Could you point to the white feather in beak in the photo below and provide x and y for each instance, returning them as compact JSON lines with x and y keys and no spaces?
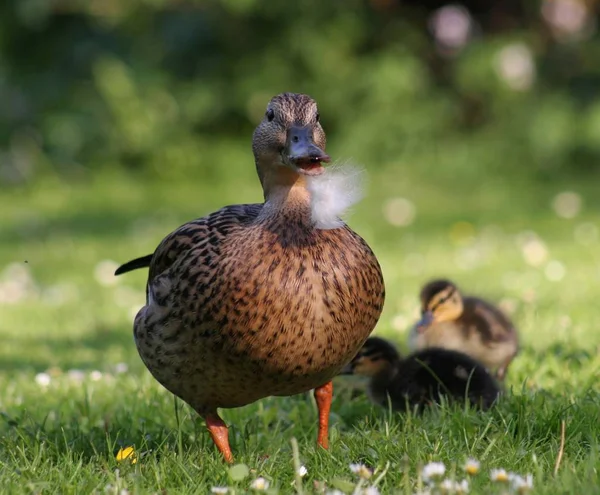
{"x":333,"y":193}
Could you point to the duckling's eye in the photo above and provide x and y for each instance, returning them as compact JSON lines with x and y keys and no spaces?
{"x":270,"y":115}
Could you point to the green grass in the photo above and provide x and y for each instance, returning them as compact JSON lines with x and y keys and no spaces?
{"x":62,"y":311}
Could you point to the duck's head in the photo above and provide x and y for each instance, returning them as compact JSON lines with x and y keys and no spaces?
{"x":440,"y":301}
{"x":289,"y":141}
{"x":375,"y":356}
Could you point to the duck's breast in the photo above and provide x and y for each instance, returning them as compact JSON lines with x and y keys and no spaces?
{"x":301,"y":309}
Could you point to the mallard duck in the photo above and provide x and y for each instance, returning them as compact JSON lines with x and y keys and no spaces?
{"x":422,"y":378}
{"x":467,"y":324}
{"x":269,"y":299}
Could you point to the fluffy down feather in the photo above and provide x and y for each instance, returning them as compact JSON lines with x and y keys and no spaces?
{"x":333,"y":193}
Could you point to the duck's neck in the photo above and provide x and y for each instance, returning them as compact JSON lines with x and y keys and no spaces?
{"x":286,"y":196}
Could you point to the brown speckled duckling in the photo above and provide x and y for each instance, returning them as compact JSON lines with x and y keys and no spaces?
{"x":466,"y":324}
{"x":260,"y":300}
{"x":422,"y":378}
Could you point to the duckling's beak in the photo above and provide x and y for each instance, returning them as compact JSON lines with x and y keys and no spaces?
{"x":301,"y":152}
{"x":425,"y":321}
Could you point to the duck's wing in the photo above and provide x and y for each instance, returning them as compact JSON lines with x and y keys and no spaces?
{"x":187,"y":235}
{"x":213,"y":227}
{"x":490,"y":322}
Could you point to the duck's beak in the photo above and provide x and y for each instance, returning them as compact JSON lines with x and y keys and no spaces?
{"x":302,"y":153}
{"x":425,"y":321}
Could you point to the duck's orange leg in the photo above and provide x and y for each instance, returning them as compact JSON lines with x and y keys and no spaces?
{"x":323,"y":396}
{"x":220,"y":435}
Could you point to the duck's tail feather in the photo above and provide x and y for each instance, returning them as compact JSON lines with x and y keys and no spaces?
{"x":142,"y":262}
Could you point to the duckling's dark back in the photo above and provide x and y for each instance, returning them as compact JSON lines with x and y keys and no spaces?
{"x":490,"y":321}
{"x":426,"y":376}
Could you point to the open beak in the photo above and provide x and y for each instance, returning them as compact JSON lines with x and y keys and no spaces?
{"x":302,"y":153}
{"x":425,"y":321}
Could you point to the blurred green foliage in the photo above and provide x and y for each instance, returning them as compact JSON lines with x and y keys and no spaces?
{"x":172,"y":87}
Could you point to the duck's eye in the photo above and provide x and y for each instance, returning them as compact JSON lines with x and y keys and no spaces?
{"x":270,"y":114}
{"x":317,"y":117}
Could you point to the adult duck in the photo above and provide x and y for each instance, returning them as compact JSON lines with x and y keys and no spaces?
{"x":269,"y":299}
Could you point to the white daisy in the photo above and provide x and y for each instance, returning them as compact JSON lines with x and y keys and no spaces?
{"x":363,"y":471}
{"x":96,"y":375}
{"x":446,"y":486}
{"x":260,"y":484}
{"x":302,"y":471}
{"x":522,"y":484}
{"x":499,"y":475}
{"x":472,"y":466}
{"x":219,"y":489}
{"x":433,"y":470}
{"x":462,"y":487}
{"x":43,"y":379}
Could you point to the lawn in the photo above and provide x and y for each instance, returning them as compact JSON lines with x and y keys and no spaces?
{"x":73,"y":391}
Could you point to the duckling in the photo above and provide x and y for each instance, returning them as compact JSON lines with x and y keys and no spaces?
{"x":422,"y":378}
{"x":269,"y":299}
{"x":467,"y":324}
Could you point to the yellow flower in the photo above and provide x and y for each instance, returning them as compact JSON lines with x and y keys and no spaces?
{"x":127,"y":453}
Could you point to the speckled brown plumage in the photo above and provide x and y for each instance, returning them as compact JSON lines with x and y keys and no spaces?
{"x":467,"y":324}
{"x":252,"y":300}
{"x":276,"y":309}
